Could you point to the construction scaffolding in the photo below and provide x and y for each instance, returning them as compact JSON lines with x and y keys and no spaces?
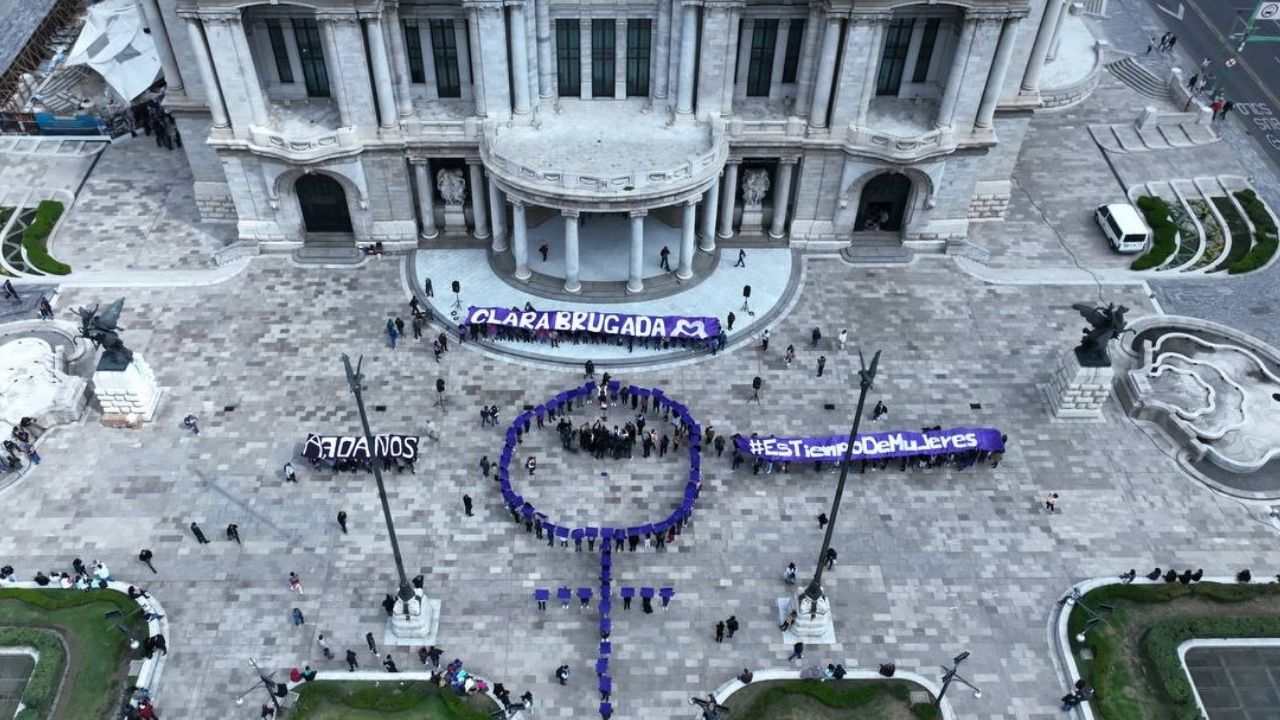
{"x":32,"y":32}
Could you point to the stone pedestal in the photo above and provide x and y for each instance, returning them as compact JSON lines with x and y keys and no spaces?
{"x":128,"y":397}
{"x":810,"y":628}
{"x":752,"y":219}
{"x":1079,"y":391}
{"x":419,"y":628}
{"x":455,"y":219}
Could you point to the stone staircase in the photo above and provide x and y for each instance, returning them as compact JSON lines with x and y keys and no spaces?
{"x":875,"y":248}
{"x":55,"y":146}
{"x":1171,"y":131}
{"x":328,"y":249}
{"x":1129,"y":72}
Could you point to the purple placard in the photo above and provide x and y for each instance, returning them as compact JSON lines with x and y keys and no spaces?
{"x":641,"y":326}
{"x":873,"y":446}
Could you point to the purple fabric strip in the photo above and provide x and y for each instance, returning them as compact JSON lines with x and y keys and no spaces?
{"x":652,"y":326}
{"x":873,"y":446}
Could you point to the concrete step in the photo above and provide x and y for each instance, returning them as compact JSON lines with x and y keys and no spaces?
{"x":876,"y":249}
{"x":1129,"y":72}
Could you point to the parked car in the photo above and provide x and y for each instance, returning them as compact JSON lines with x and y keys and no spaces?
{"x":1124,"y":227}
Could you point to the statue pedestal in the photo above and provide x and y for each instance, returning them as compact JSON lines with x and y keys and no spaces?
{"x":455,"y":219}
{"x":419,"y":628}
{"x":752,"y":218}
{"x":809,"y":628}
{"x":128,"y":397}
{"x":1077,"y":390}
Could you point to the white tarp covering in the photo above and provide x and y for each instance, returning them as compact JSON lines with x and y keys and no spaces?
{"x":115,"y":45}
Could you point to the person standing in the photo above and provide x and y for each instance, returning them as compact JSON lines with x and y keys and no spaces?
{"x":324,"y":647}
{"x":290,"y":475}
{"x":373,"y":646}
{"x":531,"y":464}
{"x":145,"y":556}
{"x":830,"y":558}
{"x":879,"y":411}
{"x":822,"y":520}
{"x":390,"y":664}
{"x":389,"y":604}
{"x":731,"y":625}
{"x":233,"y":533}
{"x":720,"y":631}
{"x":842,"y":338}
{"x":822,"y":363}
{"x":1151,"y":43}
{"x":797,"y":652}
{"x":466,"y":504}
{"x":1051,"y":502}
{"x":1173,"y":40}
{"x":399,"y":326}
{"x":562,"y":674}
{"x":590,"y":369}
{"x":814,"y":337}
{"x":342,"y":521}
{"x":392,"y":335}
{"x":1164,"y":42}
{"x":764,"y":341}
{"x":719,"y":445}
{"x":664,"y":255}
{"x":427,"y":289}
{"x":742,"y":258}
{"x":295,"y":583}
{"x":485,"y":465}
{"x":416,"y":326}
{"x":543,"y":249}
{"x":200,"y":538}
{"x":731,"y":318}
{"x":352,"y":663}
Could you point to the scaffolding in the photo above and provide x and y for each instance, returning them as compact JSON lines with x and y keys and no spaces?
{"x":31,"y":33}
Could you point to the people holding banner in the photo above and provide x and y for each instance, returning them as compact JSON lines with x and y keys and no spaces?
{"x":650,"y":331}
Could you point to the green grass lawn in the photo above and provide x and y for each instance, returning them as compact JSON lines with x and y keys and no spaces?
{"x":1135,"y":669}
{"x":342,"y":700}
{"x":831,"y":700}
{"x":99,"y":653}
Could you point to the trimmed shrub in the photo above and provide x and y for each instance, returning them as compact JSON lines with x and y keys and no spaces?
{"x":1164,"y":233}
{"x":1266,"y":242}
{"x":35,"y":239}
{"x":42,"y":689}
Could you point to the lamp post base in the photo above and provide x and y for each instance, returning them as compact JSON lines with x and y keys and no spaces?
{"x":419,"y":628}
{"x":808,"y":628}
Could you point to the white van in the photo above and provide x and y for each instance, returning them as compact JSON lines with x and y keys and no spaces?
{"x":1123,"y":226}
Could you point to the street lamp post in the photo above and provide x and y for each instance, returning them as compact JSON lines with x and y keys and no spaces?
{"x":266,"y":683}
{"x":355,"y":379}
{"x":952,"y":674}
{"x":868,"y":375}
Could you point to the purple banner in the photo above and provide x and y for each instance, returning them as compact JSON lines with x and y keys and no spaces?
{"x":641,"y":326}
{"x":873,"y":446}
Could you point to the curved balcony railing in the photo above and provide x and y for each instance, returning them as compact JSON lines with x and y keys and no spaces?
{"x":334,"y":143}
{"x":641,"y":182}
{"x":889,"y":146}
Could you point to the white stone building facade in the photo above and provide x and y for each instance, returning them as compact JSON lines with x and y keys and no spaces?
{"x":406,"y":122}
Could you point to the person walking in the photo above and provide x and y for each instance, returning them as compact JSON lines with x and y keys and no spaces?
{"x":145,"y":556}
{"x":295,"y":583}
{"x":485,"y":465}
{"x":590,"y":368}
{"x":392,"y":335}
{"x":543,"y":249}
{"x":290,"y":475}
{"x":797,"y":652}
{"x":742,"y":258}
{"x":822,"y":520}
{"x":1173,"y":40}
{"x":1051,"y":502}
{"x":764,"y":341}
{"x":731,"y":625}
{"x":830,"y":558}
{"x":1164,"y":42}
{"x":342,"y":521}
{"x":399,"y":326}
{"x":233,"y":533}
{"x":842,"y":338}
{"x":789,"y":356}
{"x":373,"y":646}
{"x":416,"y":326}
{"x":352,"y":663}
{"x":664,"y":256}
{"x":879,"y":411}
{"x":298,"y":619}
{"x":720,"y":631}
{"x":814,"y":337}
{"x":719,"y":443}
{"x":730,"y":319}
{"x":191,"y":423}
{"x":389,"y":604}
{"x":200,"y":538}
{"x":1151,"y":43}
{"x":466,"y":504}
{"x":822,"y":363}
{"x":562,"y":674}
{"x":324,"y":647}
{"x":531,"y":464}
{"x":427,"y":289}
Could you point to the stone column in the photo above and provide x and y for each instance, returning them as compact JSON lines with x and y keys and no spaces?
{"x":546,"y":63}
{"x":584,"y":59}
{"x":472,"y":29}
{"x":661,"y":50}
{"x":688,"y":51}
{"x":804,"y":71}
{"x":995,"y":79}
{"x":519,"y":58}
{"x":959,"y":63}
{"x":779,"y":58}
{"x":394,"y":29}
{"x":635,"y":279}
{"x":498,"y":208}
{"x":490,"y":57}
{"x":1040,"y":50}
{"x":781,"y":197}
{"x":426,"y":197}
{"x":248,"y":74}
{"x":160,"y":36}
{"x":728,"y":187}
{"x":710,"y":207}
{"x":213,"y":94}
{"x":1057,"y":32}
{"x":877,"y":29}
{"x":855,"y":78}
{"x":571,"y":282}
{"x":337,"y":87}
{"x":687,"y":234}
{"x":520,"y":240}
{"x":620,"y":59}
{"x":479,"y":205}
{"x":732,"y":66}
{"x":383,"y":93}
{"x":825,"y":74}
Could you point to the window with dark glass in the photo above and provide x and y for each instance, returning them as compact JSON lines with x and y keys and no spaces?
{"x":444,"y":50}
{"x":791,"y":59}
{"x":764,"y":38}
{"x":927,"y":42}
{"x":897,"y":38}
{"x":568,"y":58}
{"x":639,"y":38}
{"x":413,"y":48}
{"x":280,"y":51}
{"x":311,"y":57}
{"x":603,"y":59}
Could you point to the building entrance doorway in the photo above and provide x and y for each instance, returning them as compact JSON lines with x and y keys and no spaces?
{"x":323,"y":203}
{"x":883,"y":205}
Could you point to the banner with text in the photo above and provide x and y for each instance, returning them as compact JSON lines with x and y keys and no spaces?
{"x":351,"y":447}
{"x":873,"y":446}
{"x":642,"y":326}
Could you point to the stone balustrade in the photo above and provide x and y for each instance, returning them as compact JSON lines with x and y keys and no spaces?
{"x":898,"y":148}
{"x":740,"y":129}
{"x":335,"y":143}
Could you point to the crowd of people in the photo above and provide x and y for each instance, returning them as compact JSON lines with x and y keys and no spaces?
{"x":20,"y":444}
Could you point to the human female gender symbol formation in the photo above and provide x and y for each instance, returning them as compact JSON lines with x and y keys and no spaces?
{"x":524,"y":512}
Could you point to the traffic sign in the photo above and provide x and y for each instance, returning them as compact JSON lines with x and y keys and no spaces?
{"x":1267,"y":10}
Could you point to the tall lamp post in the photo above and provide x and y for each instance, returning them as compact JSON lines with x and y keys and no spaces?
{"x":265,"y":681}
{"x":951,"y":674}
{"x":808,"y":601}
{"x":355,"y":379}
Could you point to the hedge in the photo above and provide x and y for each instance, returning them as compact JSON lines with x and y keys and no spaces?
{"x":35,"y":239}
{"x":42,"y":689}
{"x":1164,"y":232}
{"x":386,"y":698}
{"x":840,"y":695}
{"x":1265,"y":242}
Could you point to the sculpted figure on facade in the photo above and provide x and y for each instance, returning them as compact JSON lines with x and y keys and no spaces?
{"x":755,"y":184}
{"x":453,"y":188}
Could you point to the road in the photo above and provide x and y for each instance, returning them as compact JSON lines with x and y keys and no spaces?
{"x":1204,"y":28}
